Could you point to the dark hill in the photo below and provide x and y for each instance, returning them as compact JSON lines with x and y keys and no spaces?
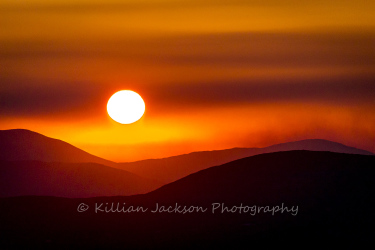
{"x":275,"y":176}
{"x":333,"y":191}
{"x":26,"y":145}
{"x":173,"y":168}
{"x":74,"y":180}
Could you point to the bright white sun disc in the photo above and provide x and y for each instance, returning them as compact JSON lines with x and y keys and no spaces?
{"x":126,"y":107}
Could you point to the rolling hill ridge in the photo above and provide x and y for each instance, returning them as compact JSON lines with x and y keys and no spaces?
{"x":33,"y":164}
{"x":173,"y":168}
{"x":26,"y":145}
{"x":333,"y":193}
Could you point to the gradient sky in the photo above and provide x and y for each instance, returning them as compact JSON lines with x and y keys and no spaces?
{"x":214,"y":74}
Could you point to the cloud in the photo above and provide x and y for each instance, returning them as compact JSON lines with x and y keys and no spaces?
{"x":85,"y":99}
{"x":35,"y":99}
{"x":253,"y":49}
{"x":344,"y":91}
{"x":183,"y":72}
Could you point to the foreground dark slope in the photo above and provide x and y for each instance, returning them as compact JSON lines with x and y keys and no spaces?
{"x":26,"y":145}
{"x":173,"y":168}
{"x":334,"y":194}
{"x":75,"y":180}
{"x":274,"y":177}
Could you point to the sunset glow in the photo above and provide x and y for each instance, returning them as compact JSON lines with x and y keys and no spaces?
{"x":214,"y":74}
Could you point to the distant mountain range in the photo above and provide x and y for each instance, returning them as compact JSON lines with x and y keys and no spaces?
{"x":26,"y":145}
{"x":271,"y":177}
{"x":33,"y":164}
{"x":331,"y":195}
{"x":173,"y":168}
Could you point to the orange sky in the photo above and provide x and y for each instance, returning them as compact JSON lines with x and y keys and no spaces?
{"x":213,"y":74}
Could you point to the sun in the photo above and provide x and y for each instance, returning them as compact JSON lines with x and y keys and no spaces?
{"x":126,"y":107}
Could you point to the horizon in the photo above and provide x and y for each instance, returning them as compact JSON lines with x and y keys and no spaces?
{"x":213,"y":74}
{"x":192,"y":152}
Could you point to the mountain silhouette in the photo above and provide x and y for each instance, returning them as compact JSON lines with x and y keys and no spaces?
{"x":268,"y":177}
{"x":71,"y":180}
{"x":26,"y":145}
{"x":173,"y":168}
{"x":333,"y":191}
